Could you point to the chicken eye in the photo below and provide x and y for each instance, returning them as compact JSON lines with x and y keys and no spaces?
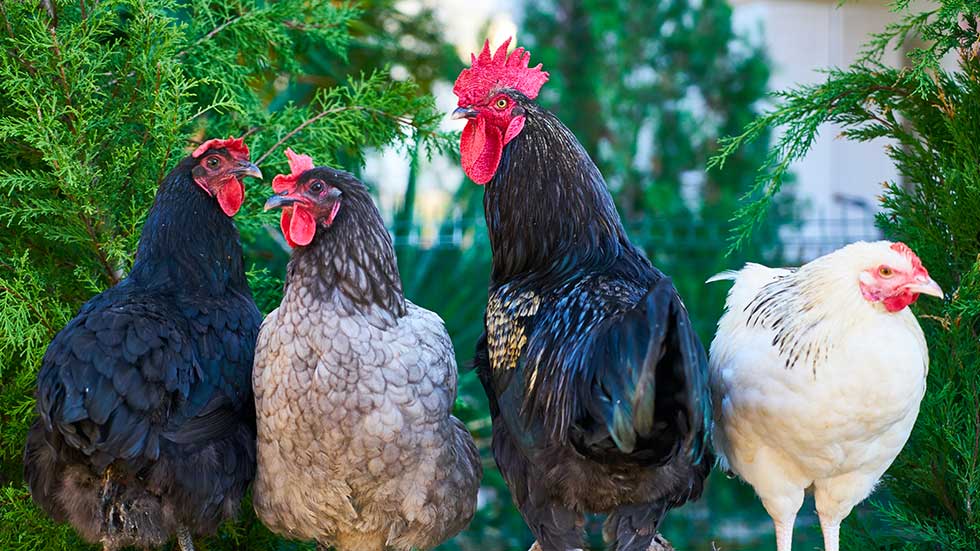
{"x":501,"y":103}
{"x":212,"y":162}
{"x":885,"y":271}
{"x":316,"y":187}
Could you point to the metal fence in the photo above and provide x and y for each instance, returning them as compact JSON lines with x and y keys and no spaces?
{"x":799,"y":241}
{"x":814,"y":237}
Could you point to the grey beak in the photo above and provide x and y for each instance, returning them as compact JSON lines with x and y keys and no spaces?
{"x":246,"y":168}
{"x":278,"y":201}
{"x":927,"y":287}
{"x":464,"y":113}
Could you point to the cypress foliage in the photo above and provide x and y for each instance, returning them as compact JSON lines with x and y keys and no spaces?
{"x":932,"y":117}
{"x":98,"y":101}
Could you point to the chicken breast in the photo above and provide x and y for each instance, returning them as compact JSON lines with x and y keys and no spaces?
{"x":816,"y":382}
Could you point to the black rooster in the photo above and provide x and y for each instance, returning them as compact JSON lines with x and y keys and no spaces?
{"x":147,"y":424}
{"x":596,"y":379}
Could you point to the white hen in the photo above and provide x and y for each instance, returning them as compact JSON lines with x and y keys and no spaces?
{"x":817,"y":374}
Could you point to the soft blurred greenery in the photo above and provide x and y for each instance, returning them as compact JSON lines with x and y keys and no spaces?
{"x":648,"y":87}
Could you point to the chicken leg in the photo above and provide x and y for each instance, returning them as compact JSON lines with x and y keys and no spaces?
{"x":784,"y":533}
{"x":835,"y":497}
{"x":782,"y":497}
{"x":555,"y":528}
{"x":633,"y":527}
{"x":184,"y":539}
{"x":783,"y":507}
{"x":831,"y":535}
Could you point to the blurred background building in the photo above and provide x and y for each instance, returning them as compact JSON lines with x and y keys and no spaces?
{"x":837,"y":186}
{"x":839,"y":182}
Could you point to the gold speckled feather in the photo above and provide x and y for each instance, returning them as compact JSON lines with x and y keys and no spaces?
{"x":505,"y":327}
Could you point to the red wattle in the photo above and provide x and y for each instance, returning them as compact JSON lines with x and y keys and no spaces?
{"x":480,"y":148}
{"x":898,"y":302}
{"x":230,"y":196}
{"x":298,"y":226}
{"x":284,"y":219}
{"x":471,"y":143}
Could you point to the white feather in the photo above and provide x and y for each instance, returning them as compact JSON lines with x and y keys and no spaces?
{"x":723,"y":276}
{"x":834,"y":418}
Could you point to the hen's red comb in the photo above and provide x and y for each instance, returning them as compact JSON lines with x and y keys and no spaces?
{"x":490,"y":72}
{"x":298,"y":164}
{"x":904,"y":249}
{"x":236,"y":146}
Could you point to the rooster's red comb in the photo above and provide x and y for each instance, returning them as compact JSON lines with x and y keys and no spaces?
{"x":904,"y":249}
{"x":298,"y":164}
{"x":236,"y":146}
{"x":489,"y":72}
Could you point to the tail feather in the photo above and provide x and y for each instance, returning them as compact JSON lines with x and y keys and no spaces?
{"x":621,"y":352}
{"x":694,"y":369}
{"x":729,"y":275}
{"x":750,"y":269}
{"x":651,"y":353}
{"x":658,"y":313}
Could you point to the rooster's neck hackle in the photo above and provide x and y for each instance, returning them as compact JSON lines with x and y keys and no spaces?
{"x":351,"y":263}
{"x":547,"y":207}
{"x":188,"y":243}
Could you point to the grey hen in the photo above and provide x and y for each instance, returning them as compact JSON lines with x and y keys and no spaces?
{"x":354,"y":385}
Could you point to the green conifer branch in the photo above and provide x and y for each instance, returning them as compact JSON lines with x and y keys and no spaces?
{"x":98,"y":101}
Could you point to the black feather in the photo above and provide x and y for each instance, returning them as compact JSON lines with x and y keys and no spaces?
{"x":596,"y":380}
{"x":145,"y":397}
{"x":101,"y":401}
{"x":86,"y":347}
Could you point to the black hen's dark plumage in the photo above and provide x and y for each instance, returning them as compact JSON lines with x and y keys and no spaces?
{"x":596,"y":379}
{"x":146,"y":419}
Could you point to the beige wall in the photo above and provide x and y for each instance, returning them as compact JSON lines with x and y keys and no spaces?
{"x":802,"y":37}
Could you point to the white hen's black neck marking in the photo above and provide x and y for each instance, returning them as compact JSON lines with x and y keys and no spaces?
{"x":782,"y":307}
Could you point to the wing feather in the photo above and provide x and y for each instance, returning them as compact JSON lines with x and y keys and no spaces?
{"x":130,"y":369}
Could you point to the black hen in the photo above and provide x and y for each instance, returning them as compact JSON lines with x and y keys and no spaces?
{"x":146,"y":422}
{"x":597,"y":381}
